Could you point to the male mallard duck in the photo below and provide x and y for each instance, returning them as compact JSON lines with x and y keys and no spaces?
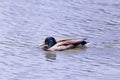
{"x":50,"y":44}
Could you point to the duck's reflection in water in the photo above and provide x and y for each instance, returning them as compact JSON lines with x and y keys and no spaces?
{"x":50,"y":56}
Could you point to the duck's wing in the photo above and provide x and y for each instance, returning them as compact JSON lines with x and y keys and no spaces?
{"x":58,"y":47}
{"x":70,"y":42}
{"x":64,"y":40}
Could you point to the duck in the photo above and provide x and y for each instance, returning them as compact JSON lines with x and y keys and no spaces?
{"x":50,"y":44}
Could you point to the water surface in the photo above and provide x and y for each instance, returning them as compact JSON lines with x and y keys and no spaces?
{"x":26,"y":23}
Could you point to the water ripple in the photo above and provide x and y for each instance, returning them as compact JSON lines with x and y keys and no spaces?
{"x":24,"y":24}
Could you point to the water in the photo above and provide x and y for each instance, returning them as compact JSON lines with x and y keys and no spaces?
{"x":26,"y":23}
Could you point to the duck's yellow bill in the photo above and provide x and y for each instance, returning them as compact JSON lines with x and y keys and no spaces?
{"x":41,"y":44}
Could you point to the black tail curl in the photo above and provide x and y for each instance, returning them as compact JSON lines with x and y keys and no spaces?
{"x":83,"y":42}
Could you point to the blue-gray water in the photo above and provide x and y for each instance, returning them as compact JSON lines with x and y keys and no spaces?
{"x":26,"y":23}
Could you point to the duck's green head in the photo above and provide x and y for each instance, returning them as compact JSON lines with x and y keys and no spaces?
{"x":50,"y":41}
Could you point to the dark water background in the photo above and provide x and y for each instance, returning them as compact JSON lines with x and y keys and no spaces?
{"x":26,"y":23}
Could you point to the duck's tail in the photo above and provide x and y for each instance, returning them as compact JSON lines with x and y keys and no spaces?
{"x":83,"y":42}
